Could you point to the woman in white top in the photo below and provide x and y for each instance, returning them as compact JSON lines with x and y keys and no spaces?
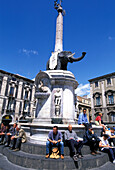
{"x":105,"y":147}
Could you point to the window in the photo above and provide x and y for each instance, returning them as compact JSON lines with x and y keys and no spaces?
{"x":10,"y":102}
{"x":26,"y":95}
{"x":14,"y":79}
{"x":25,"y":105}
{"x":98,"y":101}
{"x":83,"y":100}
{"x":96,"y":84}
{"x":108,"y":81}
{"x":113,"y":117}
{"x":11,"y":91}
{"x":110,"y":99}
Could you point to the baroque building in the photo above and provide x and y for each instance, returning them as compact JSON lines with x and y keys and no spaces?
{"x":103,"y":96}
{"x":16,"y":95}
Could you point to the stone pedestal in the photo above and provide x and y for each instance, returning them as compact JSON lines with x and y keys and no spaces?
{"x":55,"y":97}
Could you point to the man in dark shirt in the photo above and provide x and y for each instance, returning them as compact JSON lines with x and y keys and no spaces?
{"x":72,"y":142}
{"x":55,"y":139}
{"x":12,"y":132}
{"x":91,"y":139}
{"x":5,"y":134}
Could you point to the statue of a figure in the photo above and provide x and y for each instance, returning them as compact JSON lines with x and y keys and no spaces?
{"x":56,"y":4}
{"x":58,"y":7}
{"x":43,"y":88}
{"x":57,"y":100}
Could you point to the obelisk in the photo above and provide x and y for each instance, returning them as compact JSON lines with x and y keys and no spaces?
{"x":59,"y":35}
{"x":59,"y":29}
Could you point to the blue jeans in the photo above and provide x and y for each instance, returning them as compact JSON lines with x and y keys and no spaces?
{"x":49,"y":145}
{"x":111,"y":153}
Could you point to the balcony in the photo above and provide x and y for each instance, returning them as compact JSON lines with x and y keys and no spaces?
{"x":98,"y":105}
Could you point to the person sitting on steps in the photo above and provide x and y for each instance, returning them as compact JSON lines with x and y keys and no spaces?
{"x":2,"y":133}
{"x":91,"y":139}
{"x":20,"y":137}
{"x":71,"y":140}
{"x":83,"y":118}
{"x":12,"y":132}
{"x":98,"y":120}
{"x":105,"y":147}
{"x":111,"y":135}
{"x":54,"y":140}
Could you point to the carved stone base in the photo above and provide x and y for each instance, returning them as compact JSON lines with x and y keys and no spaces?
{"x":58,"y":100}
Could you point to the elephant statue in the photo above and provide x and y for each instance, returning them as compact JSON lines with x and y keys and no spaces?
{"x":63,"y":58}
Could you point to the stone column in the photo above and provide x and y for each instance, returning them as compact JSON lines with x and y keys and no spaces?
{"x":92,"y":102}
{"x":59,"y":33}
{"x":4,"y":84}
{"x":2,"y":96}
{"x":104,"y":102}
{"x":14,"y":90}
{"x":18,"y":98}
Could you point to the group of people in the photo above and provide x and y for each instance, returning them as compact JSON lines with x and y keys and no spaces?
{"x":12,"y":137}
{"x":72,"y":141}
{"x":104,"y":143}
{"x":55,"y":139}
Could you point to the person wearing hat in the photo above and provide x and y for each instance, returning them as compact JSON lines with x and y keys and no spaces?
{"x":91,"y":139}
{"x":105,"y":147}
{"x":20,"y":137}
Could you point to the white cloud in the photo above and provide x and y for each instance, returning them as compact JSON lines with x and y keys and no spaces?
{"x":111,"y":38}
{"x":83,"y":90}
{"x":28,"y":52}
{"x":33,"y":79}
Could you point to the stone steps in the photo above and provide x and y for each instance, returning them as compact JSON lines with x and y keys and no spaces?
{"x":41,"y":149}
{"x":36,"y":161}
{"x":5,"y":164}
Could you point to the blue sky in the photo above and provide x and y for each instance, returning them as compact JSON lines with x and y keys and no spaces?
{"x":27,"y":36}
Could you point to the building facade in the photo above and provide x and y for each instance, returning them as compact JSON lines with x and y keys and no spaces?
{"x":81,"y":103}
{"x":16,"y":95}
{"x":103,"y":97}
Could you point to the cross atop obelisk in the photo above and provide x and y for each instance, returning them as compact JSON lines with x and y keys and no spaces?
{"x":59,"y":26}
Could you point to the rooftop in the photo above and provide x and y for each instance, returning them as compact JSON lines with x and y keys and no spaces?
{"x":16,"y":75}
{"x":102,"y":77}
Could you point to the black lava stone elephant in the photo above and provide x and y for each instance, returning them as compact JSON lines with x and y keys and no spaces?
{"x":63,"y":58}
